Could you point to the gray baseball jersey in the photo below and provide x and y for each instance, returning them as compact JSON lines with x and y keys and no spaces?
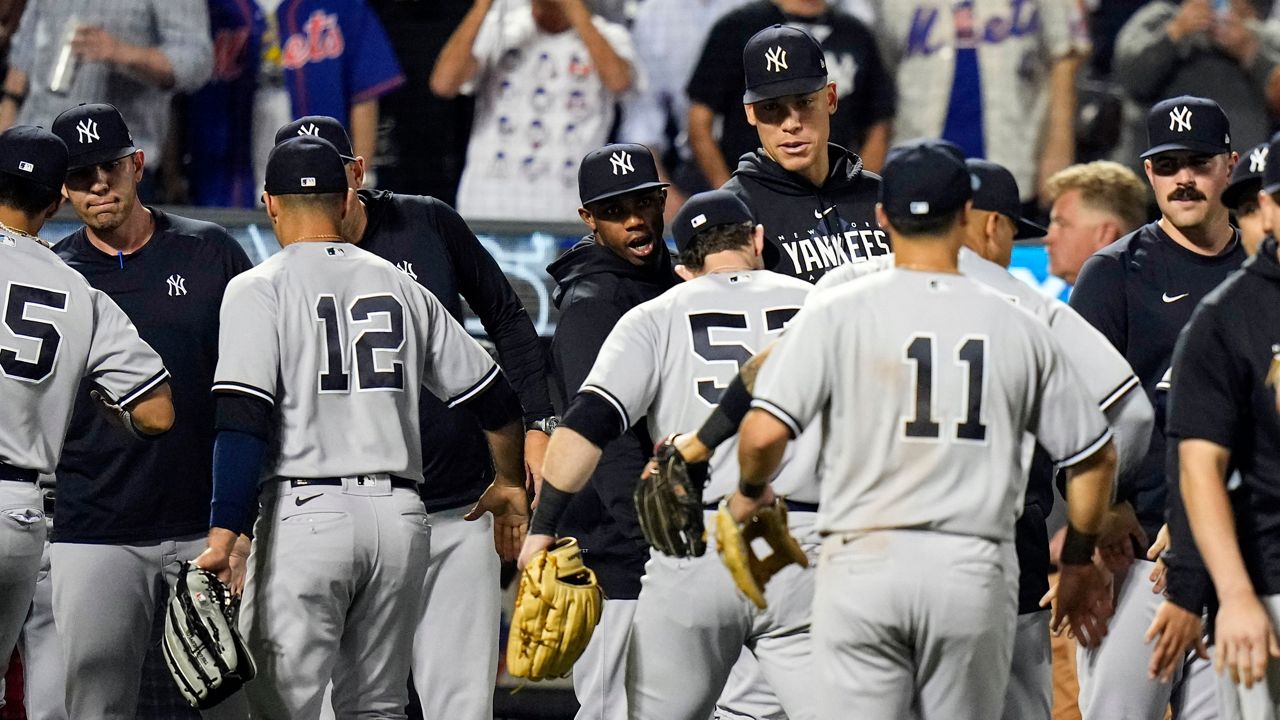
{"x":55,"y":330}
{"x":671,"y":358}
{"x":340,"y":342}
{"x":925,"y":383}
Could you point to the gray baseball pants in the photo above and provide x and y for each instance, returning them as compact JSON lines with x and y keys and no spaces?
{"x":22,"y":538}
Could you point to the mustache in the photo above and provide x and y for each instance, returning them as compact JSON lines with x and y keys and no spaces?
{"x":1187,"y":192}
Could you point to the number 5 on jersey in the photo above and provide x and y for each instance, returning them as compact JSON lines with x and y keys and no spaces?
{"x":375,"y":326}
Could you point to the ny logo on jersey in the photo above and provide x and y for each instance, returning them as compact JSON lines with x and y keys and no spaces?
{"x":406,"y":267}
{"x":309,"y":129}
{"x":1180,"y":119}
{"x":177,"y":285}
{"x":775,"y":59}
{"x":87,"y":130}
{"x":621,"y":162}
{"x":1258,"y":159}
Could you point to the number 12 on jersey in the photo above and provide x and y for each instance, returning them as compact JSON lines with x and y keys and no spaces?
{"x":971,"y":361}
{"x":367,"y":343}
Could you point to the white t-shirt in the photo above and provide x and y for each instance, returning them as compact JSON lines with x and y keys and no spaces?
{"x":541,"y":107}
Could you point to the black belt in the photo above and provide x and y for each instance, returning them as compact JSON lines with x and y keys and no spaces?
{"x":792,"y":506}
{"x":396,"y":482}
{"x":17,"y":474}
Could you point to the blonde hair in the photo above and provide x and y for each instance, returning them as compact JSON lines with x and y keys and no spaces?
{"x":1107,"y":186}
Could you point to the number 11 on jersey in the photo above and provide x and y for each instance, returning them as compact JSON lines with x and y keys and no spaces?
{"x":971,"y":359}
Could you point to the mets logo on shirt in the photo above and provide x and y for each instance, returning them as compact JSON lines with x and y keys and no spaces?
{"x":320,"y":39}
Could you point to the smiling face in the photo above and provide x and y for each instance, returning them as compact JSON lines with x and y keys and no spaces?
{"x":1188,"y":186}
{"x":794,"y":129}
{"x":104,"y":195}
{"x":630,"y":224}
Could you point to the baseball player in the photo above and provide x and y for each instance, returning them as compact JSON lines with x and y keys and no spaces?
{"x":1241,"y":196}
{"x":334,"y":581}
{"x":958,"y":376}
{"x":1140,"y":292}
{"x":816,"y":202}
{"x":668,"y":360}
{"x":1224,"y":415}
{"x":126,"y":516}
{"x":456,"y":649}
{"x":58,"y":332}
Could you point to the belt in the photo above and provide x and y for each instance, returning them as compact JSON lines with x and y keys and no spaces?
{"x":17,"y":474}
{"x":792,"y":506}
{"x":396,"y":482}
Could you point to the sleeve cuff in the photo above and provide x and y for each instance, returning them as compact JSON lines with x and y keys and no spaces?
{"x":793,"y":425}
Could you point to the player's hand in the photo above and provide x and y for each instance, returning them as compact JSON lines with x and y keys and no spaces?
{"x":1120,"y":533}
{"x":691,"y":448}
{"x":1193,"y":16}
{"x":1244,"y":639}
{"x":1175,"y":630}
{"x":510,"y":507}
{"x":533,"y":544}
{"x":95,"y":44}
{"x":742,"y":507}
{"x":535,"y":450}
{"x":238,"y":561}
{"x":1161,"y":544}
{"x":1082,"y":603}
{"x":1159,"y":577}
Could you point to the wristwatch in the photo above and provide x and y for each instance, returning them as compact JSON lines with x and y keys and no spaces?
{"x":547,"y":424}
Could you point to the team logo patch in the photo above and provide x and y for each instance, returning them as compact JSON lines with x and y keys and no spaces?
{"x":25,"y":166}
{"x":698,"y":221}
{"x":334,"y":252}
{"x":177,"y":285}
{"x":309,"y":129}
{"x":308,"y":182}
{"x":621,"y":162}
{"x":87,"y":131}
{"x":1258,"y":159}
{"x":775,"y":59}
{"x":1180,"y":119}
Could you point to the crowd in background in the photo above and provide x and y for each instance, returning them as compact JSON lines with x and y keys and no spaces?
{"x":491,"y":104}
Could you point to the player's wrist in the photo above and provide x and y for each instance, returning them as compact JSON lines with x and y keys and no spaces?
{"x":1077,"y":547}
{"x":552,"y":503}
{"x":751,"y":490}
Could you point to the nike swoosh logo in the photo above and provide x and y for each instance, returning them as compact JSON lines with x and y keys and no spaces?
{"x":300,"y":501}
{"x":820,"y":215}
{"x":1175,"y":298}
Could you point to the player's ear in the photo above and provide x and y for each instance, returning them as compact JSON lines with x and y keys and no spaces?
{"x":881,"y":219}
{"x":356,"y":170}
{"x":273,"y":210}
{"x":750,"y":111}
{"x":833,"y":99}
{"x":587,"y":218}
{"x":757,"y":240}
{"x":684,"y":272}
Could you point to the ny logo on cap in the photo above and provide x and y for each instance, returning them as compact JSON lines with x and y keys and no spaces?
{"x":1258,"y":159}
{"x":309,"y":129}
{"x":1180,"y":119}
{"x":308,"y":182}
{"x":25,"y":166}
{"x":87,"y":130}
{"x":621,"y":162}
{"x":775,"y":59}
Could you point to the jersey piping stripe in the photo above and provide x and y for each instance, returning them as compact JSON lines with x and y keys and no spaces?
{"x":1118,"y":393}
{"x":474,"y":390}
{"x":155,"y":380}
{"x":1090,"y":449}
{"x":609,"y":398}
{"x":787,"y":418}
{"x":243,"y":389}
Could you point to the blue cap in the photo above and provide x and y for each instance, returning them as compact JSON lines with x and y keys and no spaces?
{"x":924,"y":179}
{"x":319,"y":126}
{"x":705,"y":211}
{"x":307,"y":165}
{"x":33,"y":154}
{"x":616,"y":170}
{"x":995,"y":189}
{"x":782,"y":60}
{"x":1246,"y":179}
{"x":94,"y":133}
{"x":1189,"y":123}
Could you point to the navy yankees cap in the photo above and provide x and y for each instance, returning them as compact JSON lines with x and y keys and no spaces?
{"x":306,"y":165}
{"x":1190,"y":123}
{"x":1271,"y":170}
{"x":1246,"y":179}
{"x":705,"y":211}
{"x":781,"y":60}
{"x":925,"y":178}
{"x":615,"y":170}
{"x":994,"y":189}
{"x":94,"y":133}
{"x":319,"y":126}
{"x":33,"y":154}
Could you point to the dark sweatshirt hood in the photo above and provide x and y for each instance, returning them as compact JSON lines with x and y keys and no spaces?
{"x":846,"y":170}
{"x":586,"y":258}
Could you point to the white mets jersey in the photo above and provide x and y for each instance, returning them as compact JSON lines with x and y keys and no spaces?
{"x":55,"y":331}
{"x":924,"y":384}
{"x":671,"y":358}
{"x":341,"y":342}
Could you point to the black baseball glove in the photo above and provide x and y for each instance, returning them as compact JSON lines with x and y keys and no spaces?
{"x":204,"y":651}
{"x":669,"y":503}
